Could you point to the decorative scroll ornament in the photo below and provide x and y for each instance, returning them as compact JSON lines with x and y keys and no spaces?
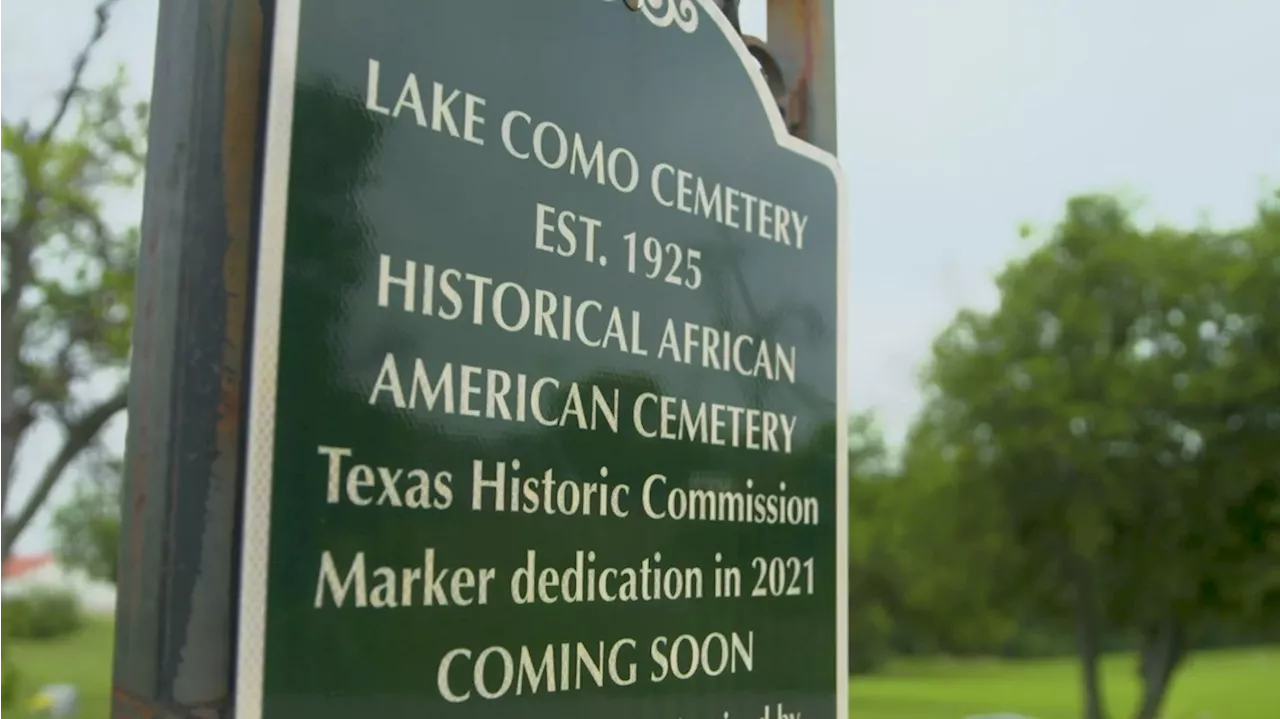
{"x":664,"y":13}
{"x":684,"y":15}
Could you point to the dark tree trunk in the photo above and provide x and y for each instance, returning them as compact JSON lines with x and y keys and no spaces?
{"x":1163,"y":648}
{"x":1088,"y":640}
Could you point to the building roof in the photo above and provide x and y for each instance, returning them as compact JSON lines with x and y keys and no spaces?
{"x":15,"y":567}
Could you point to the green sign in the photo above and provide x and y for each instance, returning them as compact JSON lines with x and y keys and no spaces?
{"x":546,"y":415}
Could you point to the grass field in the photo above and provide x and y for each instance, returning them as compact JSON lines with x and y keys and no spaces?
{"x":83,"y":659}
{"x":1239,"y":684}
{"x":1243,"y":684}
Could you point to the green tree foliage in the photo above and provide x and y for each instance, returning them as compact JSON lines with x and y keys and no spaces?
{"x":68,"y":274}
{"x":1105,"y":439}
{"x":909,"y":594}
{"x":946,"y":555}
{"x":42,"y":613}
{"x":87,"y":528}
{"x":870,"y":619}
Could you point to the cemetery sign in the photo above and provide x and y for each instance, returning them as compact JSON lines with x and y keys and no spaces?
{"x":546,"y":414}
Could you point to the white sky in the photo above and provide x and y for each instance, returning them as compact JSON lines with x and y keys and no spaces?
{"x":959,"y":119}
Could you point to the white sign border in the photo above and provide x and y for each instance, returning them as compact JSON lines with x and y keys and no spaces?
{"x":264,"y":363}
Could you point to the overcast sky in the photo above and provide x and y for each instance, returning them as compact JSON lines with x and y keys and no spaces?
{"x":959,"y":119}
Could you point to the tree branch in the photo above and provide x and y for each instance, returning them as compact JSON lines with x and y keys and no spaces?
{"x":18,"y":242}
{"x":19,"y":239}
{"x":102,"y":16}
{"x":80,"y":435}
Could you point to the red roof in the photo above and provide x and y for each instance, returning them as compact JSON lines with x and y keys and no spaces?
{"x":15,"y":567}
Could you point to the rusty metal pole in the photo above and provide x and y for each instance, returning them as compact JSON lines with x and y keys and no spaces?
{"x":799,"y":62}
{"x":175,"y":613}
{"x":802,"y":42}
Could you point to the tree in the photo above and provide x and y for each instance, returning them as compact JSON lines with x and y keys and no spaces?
{"x":938,"y":557}
{"x":87,"y":528}
{"x":920,"y":575}
{"x":1110,"y":419}
{"x":870,"y":623}
{"x":68,"y":275}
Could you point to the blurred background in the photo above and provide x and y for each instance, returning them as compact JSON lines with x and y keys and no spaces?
{"x":1065,"y":328}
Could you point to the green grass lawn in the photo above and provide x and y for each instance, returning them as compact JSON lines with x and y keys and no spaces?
{"x":82,"y":659}
{"x":1241,"y":684}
